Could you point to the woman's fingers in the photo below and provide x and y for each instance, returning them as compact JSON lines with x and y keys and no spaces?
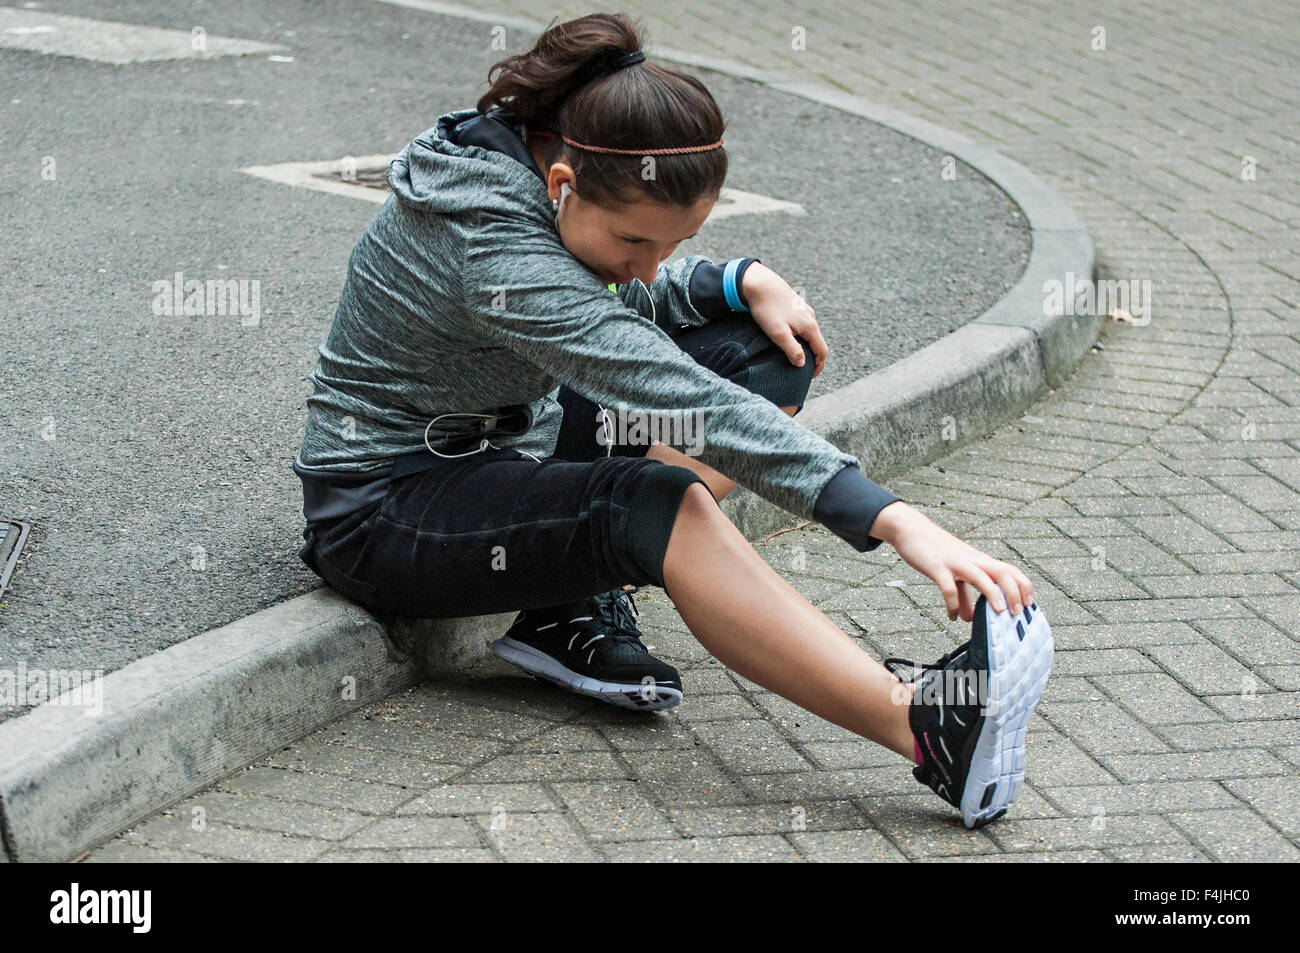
{"x":793,"y":348}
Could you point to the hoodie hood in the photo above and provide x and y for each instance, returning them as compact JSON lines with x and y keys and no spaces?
{"x":469,"y":161}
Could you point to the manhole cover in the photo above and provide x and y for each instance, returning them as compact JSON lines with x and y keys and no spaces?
{"x":370,"y":178}
{"x":11,"y":547}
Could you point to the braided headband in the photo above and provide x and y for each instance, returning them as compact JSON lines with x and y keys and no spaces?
{"x":627,"y":59}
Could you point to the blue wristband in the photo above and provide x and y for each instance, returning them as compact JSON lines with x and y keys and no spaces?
{"x":730,"y":285}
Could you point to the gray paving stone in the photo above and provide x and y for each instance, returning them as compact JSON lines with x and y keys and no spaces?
{"x":287,"y":817}
{"x":429,"y":715}
{"x":441,"y":747}
{"x":805,"y":786}
{"x":360,"y":857}
{"x":1214,"y":584}
{"x":842,"y":816}
{"x":1282,"y":611}
{"x":847,"y":847}
{"x":1239,"y":734}
{"x":359,"y":764}
{"x":751,"y":747}
{"x":1053,"y":759}
{"x":1275,"y":798}
{"x":1180,"y":534}
{"x":1156,"y":698}
{"x":1272,"y":541}
{"x":1158,"y":797}
{"x":1205,"y":669}
{"x":1158,"y":854}
{"x":564,"y":739}
{"x":1083,"y":578}
{"x":1123,"y":634}
{"x":858,"y":753}
{"x":803,"y":725}
{"x":1031,"y":857}
{"x":565,"y":766}
{"x":1102,"y":727}
{"x":1072,"y":833}
{"x":1251,"y":706}
{"x":1195,"y":764}
{"x":118,"y":851}
{"x":1290,"y":753}
{"x":1165,"y":610}
{"x":706,"y":708}
{"x":1090,"y":530}
{"x":708,"y":850}
{"x":481,"y":799}
{"x":614,"y":811}
{"x":221,"y":840}
{"x":1235,"y":836}
{"x":923,"y":826}
{"x":662,"y":734}
{"x":1070,"y":688}
{"x":690,"y":778}
{"x":1284,"y":677}
{"x":533,"y":838}
{"x":324,"y":789}
{"x":1101,"y":662}
{"x":1129,"y":506}
{"x":391,"y":833}
{"x":449,"y":855}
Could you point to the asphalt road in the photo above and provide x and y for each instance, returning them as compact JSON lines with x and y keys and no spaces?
{"x":151,"y":452}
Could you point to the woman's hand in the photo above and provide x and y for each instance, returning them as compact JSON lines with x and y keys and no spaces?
{"x":783,"y":315}
{"x":951,"y":563}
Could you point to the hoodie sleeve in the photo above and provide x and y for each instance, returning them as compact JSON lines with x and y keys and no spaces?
{"x":688,"y":292}
{"x":525,"y":292}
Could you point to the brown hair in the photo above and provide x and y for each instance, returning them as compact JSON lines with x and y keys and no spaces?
{"x":557,"y":87}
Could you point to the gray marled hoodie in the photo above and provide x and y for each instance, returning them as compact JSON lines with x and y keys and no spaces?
{"x":461,"y":297}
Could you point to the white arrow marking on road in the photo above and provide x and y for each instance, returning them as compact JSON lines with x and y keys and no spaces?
{"x":107,"y":41}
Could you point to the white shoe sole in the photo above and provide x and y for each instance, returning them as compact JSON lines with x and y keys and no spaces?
{"x":1018,"y":671}
{"x":623,"y":694}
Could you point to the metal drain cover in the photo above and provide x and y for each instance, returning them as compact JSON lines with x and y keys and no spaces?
{"x":11,"y":547}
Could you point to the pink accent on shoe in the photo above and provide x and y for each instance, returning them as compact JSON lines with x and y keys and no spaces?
{"x":916,"y":752}
{"x":929,"y":747}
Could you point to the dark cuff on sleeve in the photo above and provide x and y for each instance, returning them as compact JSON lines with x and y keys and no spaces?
{"x":706,"y":294}
{"x":849,"y":504}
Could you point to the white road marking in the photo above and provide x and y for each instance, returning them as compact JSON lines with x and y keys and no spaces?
{"x":324,"y":176}
{"x":107,"y":41}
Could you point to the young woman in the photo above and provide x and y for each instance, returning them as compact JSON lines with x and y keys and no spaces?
{"x":504,"y":307}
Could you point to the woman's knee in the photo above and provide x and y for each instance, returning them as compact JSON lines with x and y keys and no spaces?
{"x":698,"y":501}
{"x":771,"y":375}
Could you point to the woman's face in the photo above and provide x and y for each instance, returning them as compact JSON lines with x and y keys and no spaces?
{"x":625,"y":243}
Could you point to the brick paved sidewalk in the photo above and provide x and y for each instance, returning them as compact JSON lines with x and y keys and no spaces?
{"x":1154,"y":500}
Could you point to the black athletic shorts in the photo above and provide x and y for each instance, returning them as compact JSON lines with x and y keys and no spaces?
{"x":499,"y":531}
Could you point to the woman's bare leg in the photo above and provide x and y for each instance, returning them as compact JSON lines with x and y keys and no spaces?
{"x":720,"y":484}
{"x":758,"y":625}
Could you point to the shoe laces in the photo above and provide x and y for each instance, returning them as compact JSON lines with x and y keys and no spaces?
{"x":919,"y":670}
{"x":617,"y":609}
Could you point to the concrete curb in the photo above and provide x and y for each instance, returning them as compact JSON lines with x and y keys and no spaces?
{"x":176,"y":721}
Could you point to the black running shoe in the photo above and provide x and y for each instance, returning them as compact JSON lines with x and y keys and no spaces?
{"x":592,"y":647}
{"x":971,"y":708}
